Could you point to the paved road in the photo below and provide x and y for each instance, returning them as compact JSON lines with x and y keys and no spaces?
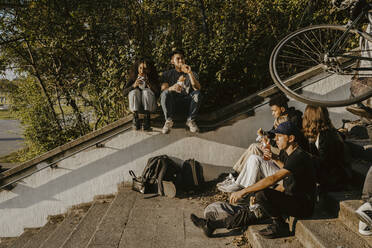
{"x":10,"y":136}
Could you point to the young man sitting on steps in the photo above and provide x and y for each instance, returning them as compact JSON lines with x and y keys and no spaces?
{"x":180,"y":93}
{"x":296,"y":197}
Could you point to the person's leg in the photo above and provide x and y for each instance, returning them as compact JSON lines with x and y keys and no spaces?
{"x":135,"y":103}
{"x":252,"y":149}
{"x":149,"y":105}
{"x":364,"y":212}
{"x":278,"y":204}
{"x":255,"y":169}
{"x":167,"y":104}
{"x":223,"y":215}
{"x":367,"y":187}
{"x":194,"y":106}
{"x":167,"y":100}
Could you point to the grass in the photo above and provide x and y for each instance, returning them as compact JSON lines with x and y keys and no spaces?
{"x":6,"y":115}
{"x":10,"y":158}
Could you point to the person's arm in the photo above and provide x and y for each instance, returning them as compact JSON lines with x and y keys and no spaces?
{"x":165,"y":84}
{"x":130,"y":86}
{"x":194,"y":81}
{"x":260,"y":185}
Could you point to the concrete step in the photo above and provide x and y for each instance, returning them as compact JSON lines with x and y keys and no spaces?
{"x":7,"y":242}
{"x":22,"y":240}
{"x":111,"y":228}
{"x":63,"y":231}
{"x":327,"y":233}
{"x":164,"y":222}
{"x":349,"y":218}
{"x":346,"y":203}
{"x":258,"y":242}
{"x":44,"y":233}
{"x":83,"y":232}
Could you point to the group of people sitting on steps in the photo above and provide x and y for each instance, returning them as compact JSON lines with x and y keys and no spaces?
{"x":178,"y":88}
{"x":297,"y":160}
{"x":281,"y":175}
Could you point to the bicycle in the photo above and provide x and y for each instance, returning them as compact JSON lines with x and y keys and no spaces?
{"x":317,"y":64}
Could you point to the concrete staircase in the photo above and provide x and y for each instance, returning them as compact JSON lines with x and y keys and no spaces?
{"x":126,"y":219}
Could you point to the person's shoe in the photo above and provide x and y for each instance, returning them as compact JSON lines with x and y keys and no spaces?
{"x":136,"y":122}
{"x":167,"y":126}
{"x":362,"y":112}
{"x":192,"y":125}
{"x":146,"y":123}
{"x":364,"y":229}
{"x":364,"y":213}
{"x":275,"y":230}
{"x":233,"y":187}
{"x":203,"y":224}
{"x":230,"y":178}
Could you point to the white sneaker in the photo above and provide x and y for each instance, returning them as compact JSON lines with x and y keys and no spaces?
{"x":228,"y":180}
{"x":364,"y":229}
{"x":192,"y":125}
{"x":167,"y":126}
{"x":364,"y":213}
{"x":233,"y":187}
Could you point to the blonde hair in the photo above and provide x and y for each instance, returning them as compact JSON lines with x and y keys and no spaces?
{"x":315,"y":120}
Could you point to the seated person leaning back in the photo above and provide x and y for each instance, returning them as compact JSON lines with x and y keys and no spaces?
{"x":296,"y":197}
{"x":252,"y":166}
{"x":180,"y":93}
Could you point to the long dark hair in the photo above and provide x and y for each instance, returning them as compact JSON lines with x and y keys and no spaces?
{"x":152,"y":74}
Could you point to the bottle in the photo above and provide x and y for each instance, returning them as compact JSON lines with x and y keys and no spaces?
{"x":266,"y":146}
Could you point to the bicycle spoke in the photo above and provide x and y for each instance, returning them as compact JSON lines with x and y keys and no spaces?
{"x":319,"y":41}
{"x":305,"y":44}
{"x":295,"y":55}
{"x":304,"y":51}
{"x":311,"y":43}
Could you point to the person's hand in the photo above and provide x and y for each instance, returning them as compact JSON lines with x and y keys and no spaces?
{"x":186,"y":68}
{"x":176,"y":87}
{"x":268,"y":155}
{"x":136,"y":83}
{"x":182,"y":78}
{"x":236,"y":196}
{"x":260,"y":132}
{"x":252,"y":200}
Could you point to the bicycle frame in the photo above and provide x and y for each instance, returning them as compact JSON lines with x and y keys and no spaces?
{"x":360,"y":32}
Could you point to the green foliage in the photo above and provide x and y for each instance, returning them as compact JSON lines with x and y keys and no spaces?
{"x":76,"y":54}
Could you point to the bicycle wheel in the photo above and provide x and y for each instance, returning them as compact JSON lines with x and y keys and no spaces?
{"x":317,"y":65}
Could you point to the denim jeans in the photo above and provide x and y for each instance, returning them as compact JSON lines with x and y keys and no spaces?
{"x":142,"y":99}
{"x":173,"y":102}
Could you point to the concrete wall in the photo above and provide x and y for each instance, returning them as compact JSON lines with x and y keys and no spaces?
{"x":97,"y":171}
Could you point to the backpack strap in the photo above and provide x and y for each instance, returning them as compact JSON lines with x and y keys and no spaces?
{"x":163,"y":163}
{"x":132,"y":174}
{"x":193,"y":169}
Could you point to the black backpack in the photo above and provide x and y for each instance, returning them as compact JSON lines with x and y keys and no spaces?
{"x":192,"y":174}
{"x":158,"y":169}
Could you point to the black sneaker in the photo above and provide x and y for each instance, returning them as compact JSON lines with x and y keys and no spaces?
{"x":203,"y":224}
{"x":275,"y":231}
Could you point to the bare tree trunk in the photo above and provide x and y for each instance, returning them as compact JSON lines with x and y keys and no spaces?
{"x":42,"y":84}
